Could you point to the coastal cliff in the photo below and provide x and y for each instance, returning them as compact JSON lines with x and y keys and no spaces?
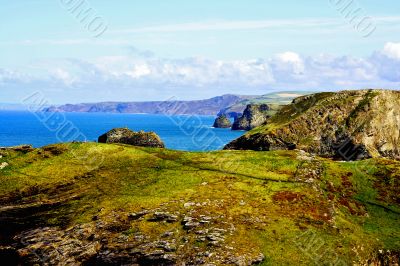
{"x":253,"y":116}
{"x":349,"y":125}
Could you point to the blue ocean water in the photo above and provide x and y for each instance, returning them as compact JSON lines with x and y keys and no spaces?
{"x":189,"y":133}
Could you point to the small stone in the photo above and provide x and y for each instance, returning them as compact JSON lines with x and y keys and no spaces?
{"x":135,"y":216}
{"x":3,"y":165}
{"x":167,"y":234}
{"x":260,"y":258}
{"x":168,"y":247}
{"x":164,"y":216}
{"x":205,"y":219}
{"x":208,"y":254}
{"x":189,"y":204}
{"x":191,"y":225}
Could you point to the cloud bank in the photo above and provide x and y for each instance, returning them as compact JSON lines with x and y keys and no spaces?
{"x":143,"y":76}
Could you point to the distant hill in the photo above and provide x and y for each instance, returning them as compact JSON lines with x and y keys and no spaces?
{"x":201,"y":107}
{"x":228,"y":103}
{"x":12,"y":107}
{"x":273,"y":99}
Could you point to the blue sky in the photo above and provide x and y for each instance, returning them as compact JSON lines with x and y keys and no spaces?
{"x":194,"y":49}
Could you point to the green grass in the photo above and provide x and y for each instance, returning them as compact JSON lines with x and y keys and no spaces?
{"x":247,"y":188}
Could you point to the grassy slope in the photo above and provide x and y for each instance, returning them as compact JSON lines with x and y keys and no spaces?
{"x":275,"y":101}
{"x":275,"y":201}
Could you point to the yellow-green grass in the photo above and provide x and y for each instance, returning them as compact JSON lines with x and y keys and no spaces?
{"x":350,"y":211}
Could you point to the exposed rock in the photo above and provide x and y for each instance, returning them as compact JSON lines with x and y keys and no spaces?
{"x":164,"y":216}
{"x":51,"y":246}
{"x":385,"y":257}
{"x":158,"y":257}
{"x":349,"y":125}
{"x":222,"y":122}
{"x":189,"y":204}
{"x":190,"y":223}
{"x":127,"y":136}
{"x":253,"y":116}
{"x":20,"y":148}
{"x":138,"y":215}
{"x":55,"y":149}
{"x":3,"y":165}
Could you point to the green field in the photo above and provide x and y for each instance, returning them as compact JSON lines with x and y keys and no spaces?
{"x":288,"y":206}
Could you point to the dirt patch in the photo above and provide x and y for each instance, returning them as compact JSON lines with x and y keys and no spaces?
{"x":287,"y":196}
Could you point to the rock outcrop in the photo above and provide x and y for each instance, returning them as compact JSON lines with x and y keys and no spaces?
{"x":21,"y":148}
{"x":222,"y":122}
{"x":127,"y":136}
{"x":253,"y":116}
{"x":348,"y":125}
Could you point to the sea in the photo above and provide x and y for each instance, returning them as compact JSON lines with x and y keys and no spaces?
{"x":186,"y":132}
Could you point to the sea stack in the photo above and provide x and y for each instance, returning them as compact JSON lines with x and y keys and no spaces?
{"x":253,"y":116}
{"x":222,"y":122}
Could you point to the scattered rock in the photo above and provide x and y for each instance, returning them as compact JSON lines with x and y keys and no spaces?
{"x":21,"y":148}
{"x":190,"y":223}
{"x":189,"y":204}
{"x":55,"y":149}
{"x":138,"y":215}
{"x":205,"y":219}
{"x":168,"y":234}
{"x":158,"y":258}
{"x":167,"y":246}
{"x":164,"y":216}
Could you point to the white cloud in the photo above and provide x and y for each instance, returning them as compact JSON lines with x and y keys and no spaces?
{"x":224,"y":25}
{"x":392,"y":50}
{"x":149,"y":76}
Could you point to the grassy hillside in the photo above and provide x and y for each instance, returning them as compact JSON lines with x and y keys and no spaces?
{"x":275,"y":100}
{"x":349,"y":125}
{"x":96,"y":203}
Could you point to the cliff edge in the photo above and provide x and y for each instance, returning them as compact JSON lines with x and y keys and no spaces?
{"x":349,"y":125}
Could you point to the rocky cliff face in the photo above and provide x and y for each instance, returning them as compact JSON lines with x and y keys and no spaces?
{"x":127,"y":136}
{"x":349,"y":125}
{"x":253,"y":116}
{"x":222,"y":122}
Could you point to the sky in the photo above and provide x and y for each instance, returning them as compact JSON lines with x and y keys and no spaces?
{"x":75,"y":51}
